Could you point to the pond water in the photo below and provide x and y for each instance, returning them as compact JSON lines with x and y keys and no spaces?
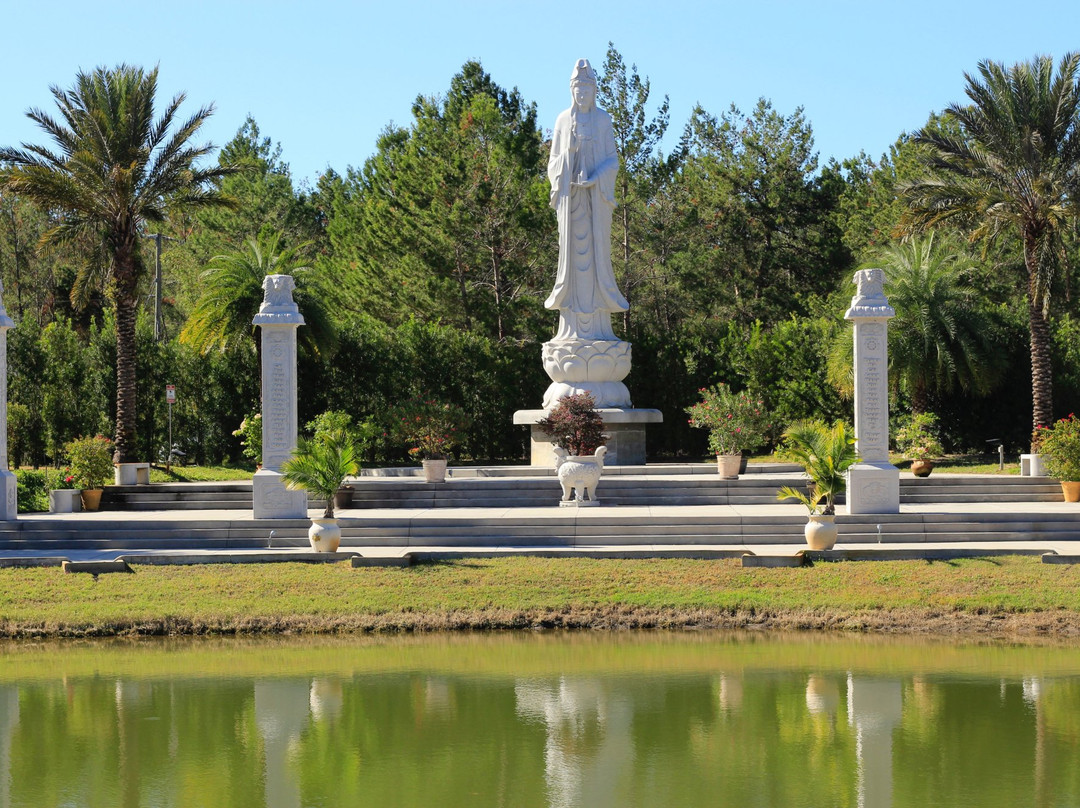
{"x":642,"y":719}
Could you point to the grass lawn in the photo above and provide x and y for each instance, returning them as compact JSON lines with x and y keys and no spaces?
{"x":200,"y":474}
{"x":1008,"y":595}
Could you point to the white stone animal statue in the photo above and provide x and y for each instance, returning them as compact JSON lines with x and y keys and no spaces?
{"x":579,"y":475}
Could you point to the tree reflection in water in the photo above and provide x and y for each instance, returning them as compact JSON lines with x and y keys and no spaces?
{"x":551,"y":721}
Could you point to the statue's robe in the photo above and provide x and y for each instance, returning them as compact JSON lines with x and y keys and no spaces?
{"x":585,"y":292}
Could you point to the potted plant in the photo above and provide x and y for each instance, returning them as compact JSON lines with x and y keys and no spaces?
{"x":736,"y":422}
{"x":577,"y":430}
{"x":320,"y":465}
{"x":1059,"y":446}
{"x":91,"y":467}
{"x":826,"y":453}
{"x":917,"y":441}
{"x":328,"y":425}
{"x":63,"y":496}
{"x":432,"y":428}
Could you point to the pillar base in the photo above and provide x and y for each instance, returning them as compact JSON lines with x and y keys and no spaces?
{"x":873,"y":488}
{"x":9,"y":497}
{"x":272,"y":500}
{"x":626,"y":428}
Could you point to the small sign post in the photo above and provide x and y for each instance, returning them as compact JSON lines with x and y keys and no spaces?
{"x":170,"y":399}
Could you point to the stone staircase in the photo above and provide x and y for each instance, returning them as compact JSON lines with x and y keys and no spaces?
{"x":657,"y":512}
{"x":627,"y":489}
{"x":526,"y":528}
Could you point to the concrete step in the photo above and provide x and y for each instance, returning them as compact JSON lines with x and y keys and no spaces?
{"x":687,"y":489}
{"x":551,"y":528}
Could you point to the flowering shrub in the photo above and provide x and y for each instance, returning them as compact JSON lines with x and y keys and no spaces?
{"x":736,"y":421}
{"x":91,"y":461}
{"x":250,"y":434}
{"x":917,"y":438}
{"x":1060,"y":444}
{"x":60,"y":479}
{"x":431,"y":427}
{"x":575,"y":425}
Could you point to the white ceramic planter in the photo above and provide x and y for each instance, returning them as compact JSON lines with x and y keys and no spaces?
{"x":65,"y":500}
{"x":728,"y":466}
{"x":820,"y":532}
{"x":324,"y":535}
{"x":434,"y":471}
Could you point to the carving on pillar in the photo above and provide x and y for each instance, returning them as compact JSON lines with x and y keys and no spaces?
{"x":9,"y":508}
{"x":873,"y":484}
{"x":278,"y":318}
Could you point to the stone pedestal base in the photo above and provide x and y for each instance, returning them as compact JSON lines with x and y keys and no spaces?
{"x":626,"y":446}
{"x":272,"y":500}
{"x":873,"y":488}
{"x":9,"y":510}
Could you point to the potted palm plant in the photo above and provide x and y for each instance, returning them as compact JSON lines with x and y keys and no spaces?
{"x":326,"y":426}
{"x":320,"y":465}
{"x":917,"y":441}
{"x":577,"y":430}
{"x":91,"y":465}
{"x":826,"y":453}
{"x":1060,"y":447}
{"x":737,"y":422}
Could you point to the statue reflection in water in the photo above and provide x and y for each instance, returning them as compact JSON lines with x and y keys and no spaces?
{"x":588,"y":749}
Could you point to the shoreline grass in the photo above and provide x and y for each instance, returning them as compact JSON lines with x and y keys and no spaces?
{"x":1006,"y":596}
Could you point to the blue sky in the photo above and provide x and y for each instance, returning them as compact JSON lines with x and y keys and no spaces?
{"x":323,"y":78}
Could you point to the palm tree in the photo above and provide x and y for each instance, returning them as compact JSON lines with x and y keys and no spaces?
{"x":233,"y":291}
{"x":942,"y":337}
{"x":826,"y":453}
{"x":320,"y":465}
{"x":114,"y":169}
{"x":1012,"y":169}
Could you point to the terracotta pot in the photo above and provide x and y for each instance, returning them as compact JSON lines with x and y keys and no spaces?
{"x":324,"y":535}
{"x":728,"y":466}
{"x":1071,"y":491}
{"x":434,"y":471}
{"x":922,"y":468}
{"x":91,"y":499}
{"x":820,"y":532}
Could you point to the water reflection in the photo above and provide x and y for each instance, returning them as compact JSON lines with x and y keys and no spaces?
{"x":588,"y":746}
{"x":646,"y":720}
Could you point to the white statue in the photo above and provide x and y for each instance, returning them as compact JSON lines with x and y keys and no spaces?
{"x":582,"y":170}
{"x":578,"y":476}
{"x":585,"y":356}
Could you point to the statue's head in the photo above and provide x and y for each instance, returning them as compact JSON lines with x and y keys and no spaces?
{"x":583,"y":84}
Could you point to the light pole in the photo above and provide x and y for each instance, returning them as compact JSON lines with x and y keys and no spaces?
{"x":159,"y":322}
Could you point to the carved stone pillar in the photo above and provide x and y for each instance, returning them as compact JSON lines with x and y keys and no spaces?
{"x":873,"y":482}
{"x":278,"y":318}
{"x":9,"y":509}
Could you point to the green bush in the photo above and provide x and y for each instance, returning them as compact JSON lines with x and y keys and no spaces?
{"x":33,"y":491}
{"x":91,"y":461}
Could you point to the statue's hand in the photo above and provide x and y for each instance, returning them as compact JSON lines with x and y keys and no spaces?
{"x":583,"y":183}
